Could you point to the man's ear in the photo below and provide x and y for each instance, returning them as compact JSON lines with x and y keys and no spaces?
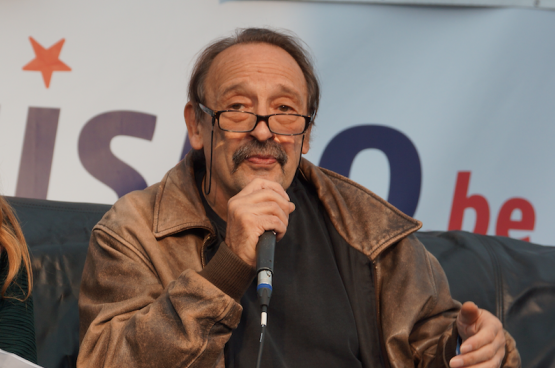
{"x":306,"y":140}
{"x":194,"y":127}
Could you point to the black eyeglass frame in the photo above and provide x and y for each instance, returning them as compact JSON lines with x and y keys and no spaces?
{"x":215,"y":114}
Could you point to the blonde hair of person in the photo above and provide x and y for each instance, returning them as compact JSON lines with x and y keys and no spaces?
{"x":13,"y":243}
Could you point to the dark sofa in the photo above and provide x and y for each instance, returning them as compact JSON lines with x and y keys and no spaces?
{"x":512,"y":279}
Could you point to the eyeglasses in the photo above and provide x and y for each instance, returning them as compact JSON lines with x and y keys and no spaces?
{"x":245,"y":122}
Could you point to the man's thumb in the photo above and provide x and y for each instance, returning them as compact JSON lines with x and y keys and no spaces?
{"x":469,"y":314}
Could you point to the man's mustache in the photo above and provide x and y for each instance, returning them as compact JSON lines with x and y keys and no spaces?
{"x":256,"y":148}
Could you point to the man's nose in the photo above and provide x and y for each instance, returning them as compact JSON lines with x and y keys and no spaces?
{"x":261,"y":131}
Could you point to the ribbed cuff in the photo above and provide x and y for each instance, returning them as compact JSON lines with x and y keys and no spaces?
{"x":228,"y":272}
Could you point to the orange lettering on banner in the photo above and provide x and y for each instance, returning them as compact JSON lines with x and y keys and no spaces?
{"x":47,"y":61}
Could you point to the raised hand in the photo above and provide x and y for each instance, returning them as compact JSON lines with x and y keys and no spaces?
{"x":483,"y":339}
{"x":262,"y":205}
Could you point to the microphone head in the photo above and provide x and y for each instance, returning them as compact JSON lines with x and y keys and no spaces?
{"x":265,"y":266}
{"x":265,"y":251}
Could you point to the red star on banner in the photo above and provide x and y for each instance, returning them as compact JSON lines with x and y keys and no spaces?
{"x":47,"y":61}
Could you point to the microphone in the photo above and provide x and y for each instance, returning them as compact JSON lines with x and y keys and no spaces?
{"x":265,"y":271}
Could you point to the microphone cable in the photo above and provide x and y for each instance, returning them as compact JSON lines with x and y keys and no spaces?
{"x":261,"y":346}
{"x":265,"y":271}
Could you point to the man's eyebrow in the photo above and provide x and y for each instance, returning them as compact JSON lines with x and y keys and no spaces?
{"x":291,"y":92}
{"x":283,"y":89}
{"x":233,"y":88}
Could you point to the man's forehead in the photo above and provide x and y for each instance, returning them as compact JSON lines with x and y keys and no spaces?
{"x":234,"y":68}
{"x":243,"y":88}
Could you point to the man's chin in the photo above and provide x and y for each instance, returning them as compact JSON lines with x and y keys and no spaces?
{"x":247,"y":173}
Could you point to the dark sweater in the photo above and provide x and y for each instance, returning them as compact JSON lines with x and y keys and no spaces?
{"x":17,"y":325}
{"x":311,"y":322}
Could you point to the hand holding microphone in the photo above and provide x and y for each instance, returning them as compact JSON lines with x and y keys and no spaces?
{"x":257,"y":217}
{"x":261,"y":206}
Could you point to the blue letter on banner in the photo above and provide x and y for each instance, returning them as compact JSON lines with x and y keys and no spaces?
{"x":404,"y":163}
{"x":94,"y":148}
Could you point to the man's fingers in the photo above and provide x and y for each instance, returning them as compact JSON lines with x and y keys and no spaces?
{"x":486,"y":357}
{"x":242,"y":239}
{"x":261,"y":196}
{"x":484,"y":340}
{"x":472,"y":320}
{"x":268,"y":213}
{"x":484,"y":337}
{"x":249,"y":216}
{"x":261,"y":205}
{"x":258,"y":184}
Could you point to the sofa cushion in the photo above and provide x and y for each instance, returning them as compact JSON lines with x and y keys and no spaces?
{"x":513,"y":279}
{"x":57,"y":234}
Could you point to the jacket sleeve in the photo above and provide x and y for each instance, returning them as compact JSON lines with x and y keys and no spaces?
{"x":129,"y":319}
{"x":428,"y":309}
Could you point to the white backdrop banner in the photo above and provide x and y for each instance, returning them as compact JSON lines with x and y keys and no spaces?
{"x":446,"y":112}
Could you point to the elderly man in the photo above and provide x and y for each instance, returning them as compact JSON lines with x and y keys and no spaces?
{"x":168,"y":280}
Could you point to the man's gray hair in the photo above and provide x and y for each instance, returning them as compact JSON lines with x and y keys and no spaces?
{"x":287,"y":41}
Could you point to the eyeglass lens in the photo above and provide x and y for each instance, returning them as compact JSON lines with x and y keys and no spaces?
{"x":238,"y":121}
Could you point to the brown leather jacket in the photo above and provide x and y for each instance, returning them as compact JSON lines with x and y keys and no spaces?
{"x":149,"y":300}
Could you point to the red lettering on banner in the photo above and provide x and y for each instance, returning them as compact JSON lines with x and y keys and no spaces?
{"x":461,"y":202}
{"x":526,"y":222}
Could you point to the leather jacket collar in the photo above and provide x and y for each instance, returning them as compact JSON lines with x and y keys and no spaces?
{"x":178,"y":207}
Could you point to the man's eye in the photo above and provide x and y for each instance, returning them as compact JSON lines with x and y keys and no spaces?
{"x":285,"y":108}
{"x":236,"y":106}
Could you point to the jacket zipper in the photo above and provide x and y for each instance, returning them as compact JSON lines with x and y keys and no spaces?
{"x":379,"y":324}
